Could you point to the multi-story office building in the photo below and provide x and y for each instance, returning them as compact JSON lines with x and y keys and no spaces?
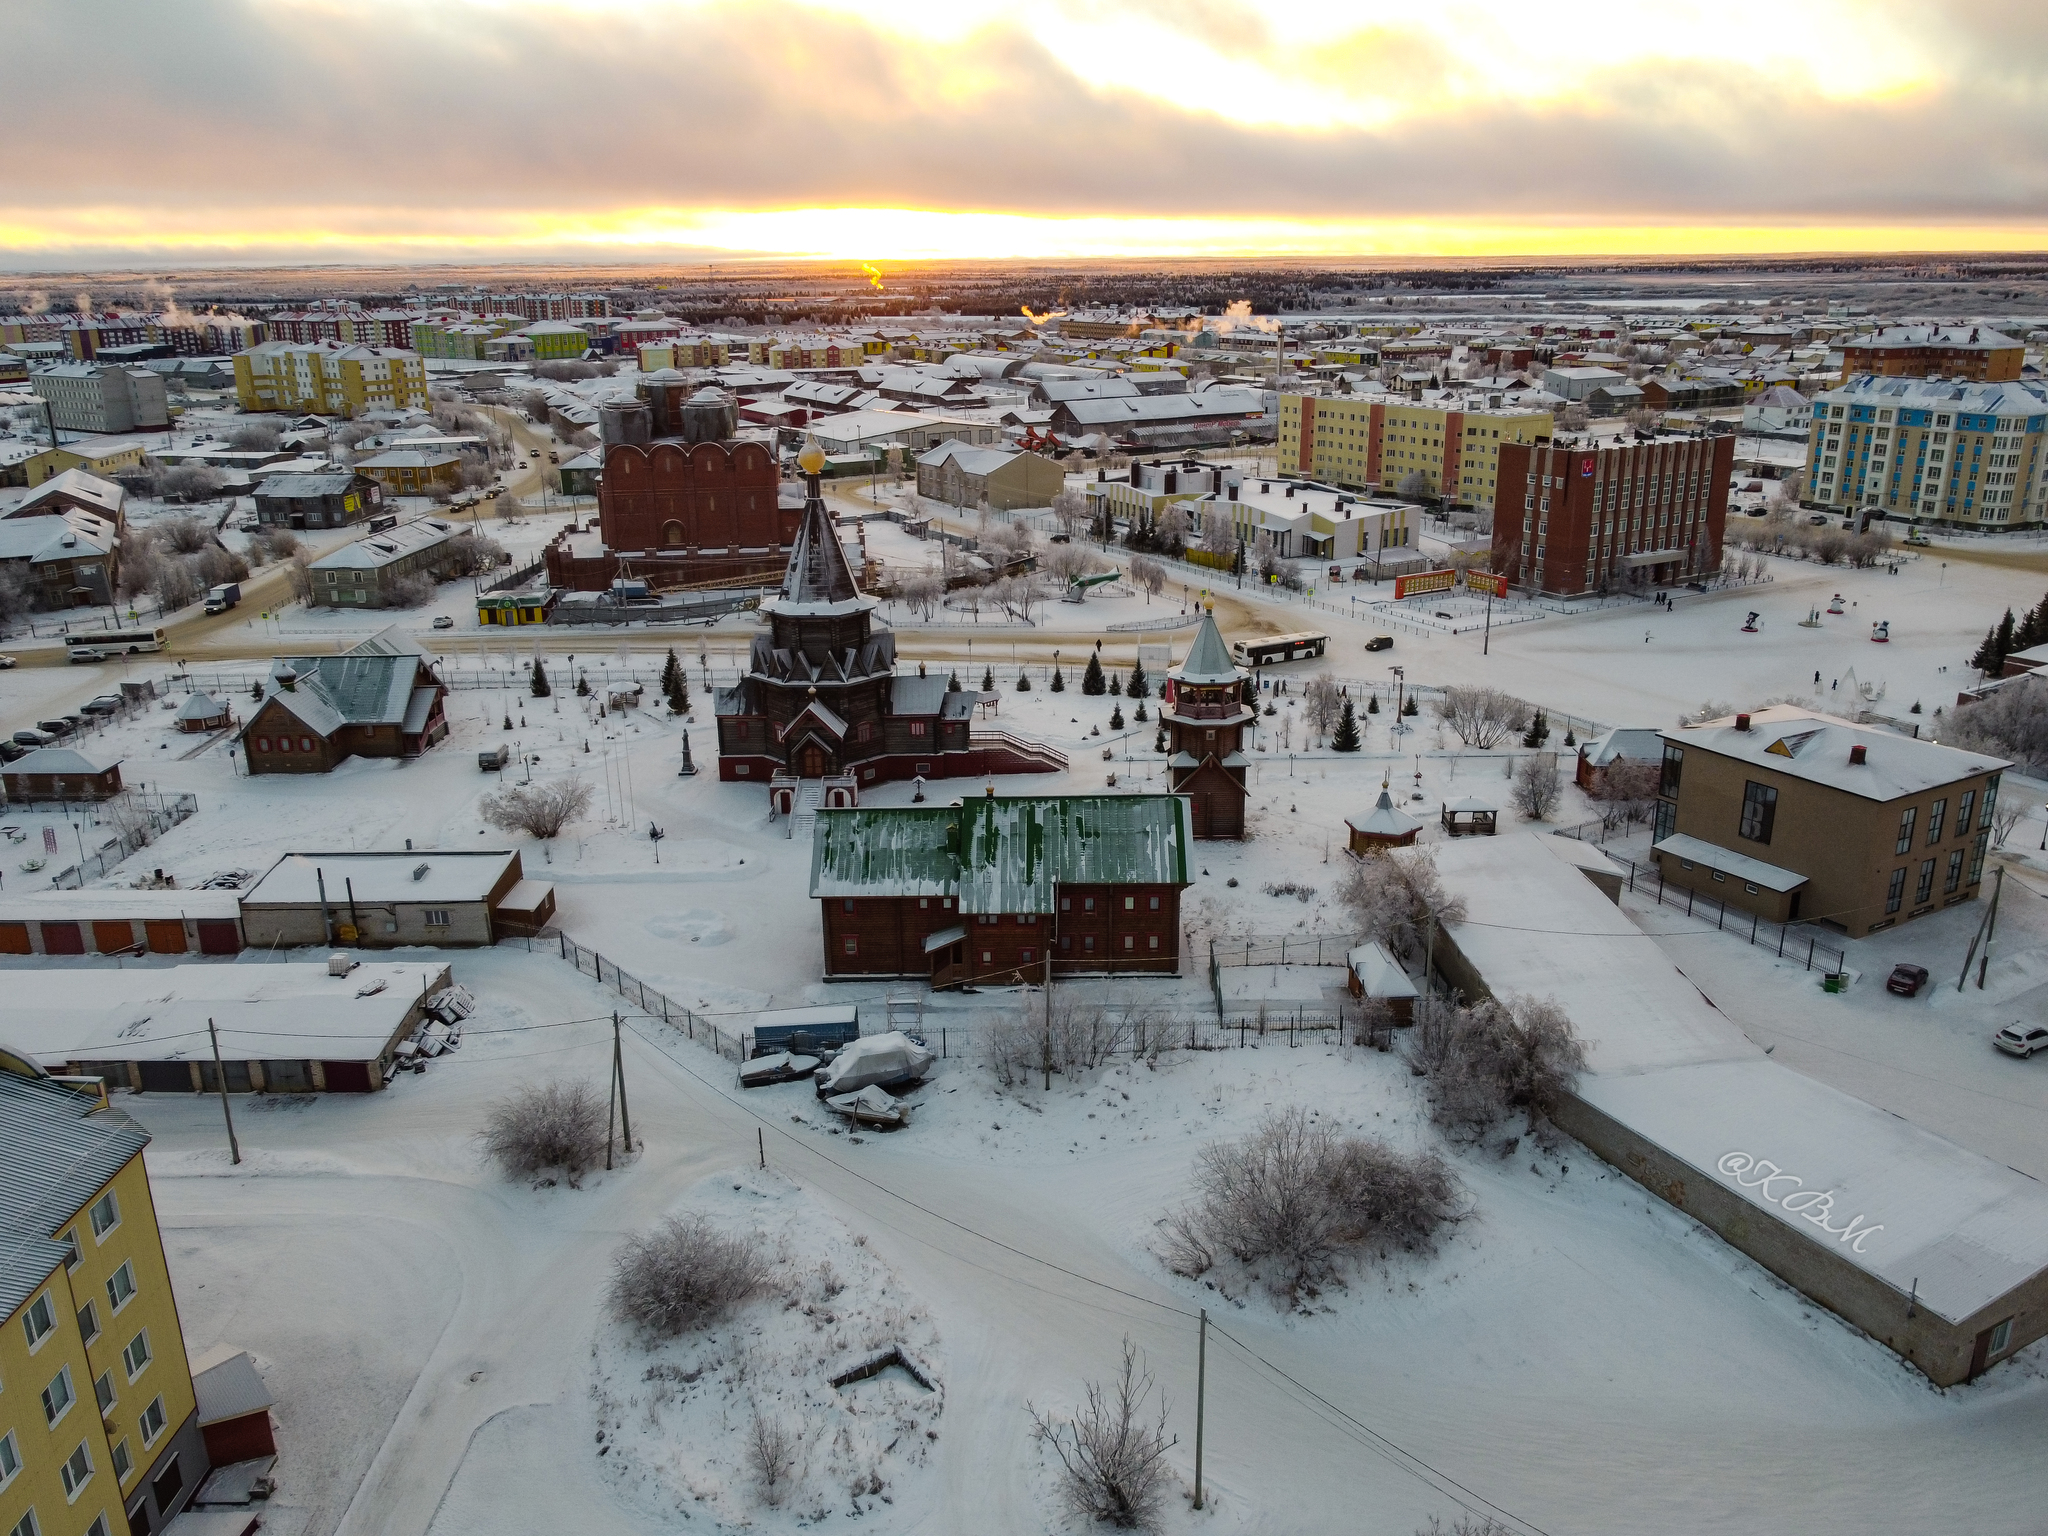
{"x":1935,"y":351}
{"x":329,"y":378}
{"x":1595,"y":517}
{"x":1930,"y":450}
{"x":1444,"y":445}
{"x":91,"y":397}
{"x":99,"y":1425}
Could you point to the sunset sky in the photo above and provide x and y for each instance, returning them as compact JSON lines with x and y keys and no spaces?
{"x":593,"y":130}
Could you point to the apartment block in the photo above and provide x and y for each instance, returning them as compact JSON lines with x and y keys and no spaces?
{"x":1446,"y":445}
{"x":1935,"y":351}
{"x":1965,"y":454}
{"x":1580,"y":518}
{"x":90,"y":397}
{"x":1790,"y":814}
{"x":329,"y":378}
{"x":99,"y":1424}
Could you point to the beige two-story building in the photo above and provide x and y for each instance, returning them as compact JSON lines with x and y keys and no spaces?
{"x":1798,"y":816}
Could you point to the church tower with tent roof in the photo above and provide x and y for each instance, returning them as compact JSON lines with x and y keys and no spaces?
{"x":821,"y":701}
{"x":1205,"y":716}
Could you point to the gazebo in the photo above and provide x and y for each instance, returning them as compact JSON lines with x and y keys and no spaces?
{"x":1386,"y":825}
{"x":1470,"y":817}
{"x":202,"y":712}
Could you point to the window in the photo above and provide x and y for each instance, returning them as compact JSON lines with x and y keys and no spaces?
{"x":1666,"y":821}
{"x":917,"y":728}
{"x":98,"y":1526}
{"x":88,"y":1322}
{"x":26,"y":1526}
{"x":77,"y":1470}
{"x":1759,"y":811}
{"x":123,"y":1462}
{"x":1924,"y":891}
{"x":1963,"y":814}
{"x":1028,"y":955}
{"x":103,"y":1391}
{"x":1155,"y":941}
{"x":853,"y":946}
{"x":1087,"y":903}
{"x":846,"y":905}
{"x":135,"y":1354}
{"x":72,"y":1256}
{"x":262,"y":743}
{"x":10,"y":1458}
{"x":1895,"y":893}
{"x":58,"y":1396}
{"x":1977,"y":857}
{"x":121,"y":1286}
{"x":106,"y":1215}
{"x":1130,"y":903}
{"x":1066,"y":903}
{"x":437,"y":917}
{"x":1155,"y":903}
{"x":152,"y":1420}
{"x":1674,"y":767}
{"x":987,"y":958}
{"x":1906,"y":819}
{"x":1955,"y":872}
{"x":38,"y":1320}
{"x":1088,"y":944}
{"x":1990,"y":802}
{"x":2001,"y":1335}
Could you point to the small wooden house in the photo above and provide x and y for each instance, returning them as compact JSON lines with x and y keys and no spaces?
{"x":202,"y":713}
{"x":1385,"y":826}
{"x":60,"y":773}
{"x":1375,"y":974}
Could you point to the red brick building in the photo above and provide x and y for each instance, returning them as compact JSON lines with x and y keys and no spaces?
{"x":1578,"y":518}
{"x":378,"y":699}
{"x":993,"y":890}
{"x":1935,"y":351}
{"x":1205,"y":715}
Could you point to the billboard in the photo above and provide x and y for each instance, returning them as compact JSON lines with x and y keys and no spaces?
{"x":1424,"y":581}
{"x":1485,"y":581}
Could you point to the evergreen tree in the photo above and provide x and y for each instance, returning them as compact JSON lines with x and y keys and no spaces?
{"x":1568,"y":741}
{"x":1998,"y":644}
{"x":583,"y":685}
{"x":1059,"y":683}
{"x":1159,"y":741}
{"x":1538,"y":732}
{"x":1372,"y":704}
{"x":952,"y":682}
{"x":1092,"y":681}
{"x":679,"y":693}
{"x":1115,"y":687}
{"x":538,"y":684}
{"x":508,"y":719}
{"x":1139,"y":714}
{"x":1250,"y":692}
{"x":1023,"y":681}
{"x":1346,"y":739}
{"x":1116,"y":717}
{"x":1137,"y":688}
{"x":256,"y":691}
{"x":2033,"y":629}
{"x":669,"y":669}
{"x":988,"y":680}
{"x":1411,"y":707}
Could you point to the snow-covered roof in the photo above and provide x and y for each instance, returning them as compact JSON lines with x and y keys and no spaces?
{"x":391,"y":544}
{"x":201,"y":706}
{"x":60,"y":760}
{"x":1804,"y":745}
{"x":1639,"y":744}
{"x":1208,"y":660}
{"x":416,"y":878}
{"x":58,"y":1154}
{"x":1377,"y":973}
{"x":1385,"y":819}
{"x":1471,"y":805}
{"x":972,"y":461}
{"x":1697,"y":850}
{"x":55,"y":536}
{"x":75,"y":485}
{"x":818,"y":582}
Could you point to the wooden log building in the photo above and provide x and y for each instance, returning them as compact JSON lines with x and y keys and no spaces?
{"x":1003,"y":890}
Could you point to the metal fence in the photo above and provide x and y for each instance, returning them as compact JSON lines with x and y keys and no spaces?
{"x":137,"y":821}
{"x":1802,"y":944}
{"x":728,"y":1043}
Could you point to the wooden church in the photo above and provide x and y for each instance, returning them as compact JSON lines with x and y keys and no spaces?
{"x":1205,"y":716}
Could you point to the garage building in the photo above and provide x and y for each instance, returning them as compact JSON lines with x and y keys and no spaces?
{"x":118,"y":922}
{"x":432,"y":896}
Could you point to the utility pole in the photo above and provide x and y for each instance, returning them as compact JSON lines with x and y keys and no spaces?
{"x":220,"y":1081}
{"x":619,"y":1077}
{"x":1201,"y":1399}
{"x":1991,"y":926}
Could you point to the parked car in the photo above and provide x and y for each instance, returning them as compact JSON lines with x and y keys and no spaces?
{"x":1380,"y":643}
{"x":443,"y":621}
{"x":7,"y":662}
{"x":33,"y":739}
{"x":522,"y":463}
{"x":105,"y":704}
{"x":2021,"y":1040}
{"x":10,"y":750}
{"x":88,"y":653}
{"x":1906,"y":980}
{"x":56,"y":728}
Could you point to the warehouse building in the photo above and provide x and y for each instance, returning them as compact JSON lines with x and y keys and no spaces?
{"x":1934,"y":1251}
{"x":294,"y":1027}
{"x":434,"y":897}
{"x":121,"y":922}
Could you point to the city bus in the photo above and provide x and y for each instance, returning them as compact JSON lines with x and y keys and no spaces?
{"x":115,"y":642}
{"x":1278,"y":648}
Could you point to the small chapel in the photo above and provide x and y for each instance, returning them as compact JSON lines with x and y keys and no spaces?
{"x":1205,"y":716}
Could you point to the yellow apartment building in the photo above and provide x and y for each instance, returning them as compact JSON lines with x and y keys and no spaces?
{"x":1452,"y":442}
{"x":99,"y":1426}
{"x":329,"y":378}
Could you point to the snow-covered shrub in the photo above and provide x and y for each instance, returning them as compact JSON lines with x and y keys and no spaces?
{"x":1537,"y":787}
{"x":1297,"y":1199}
{"x":1112,"y":1452}
{"x":684,"y":1274}
{"x":1491,"y":1060}
{"x":546,"y":1125}
{"x":539,"y":810}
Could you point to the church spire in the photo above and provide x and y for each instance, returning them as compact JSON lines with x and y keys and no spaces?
{"x":818,"y":580}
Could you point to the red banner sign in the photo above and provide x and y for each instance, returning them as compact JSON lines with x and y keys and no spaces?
{"x":1422,"y":582}
{"x":1486,"y":581}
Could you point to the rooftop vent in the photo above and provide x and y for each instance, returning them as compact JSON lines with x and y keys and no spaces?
{"x":419,"y":872}
{"x":1742,"y":724}
{"x":1857,"y":756}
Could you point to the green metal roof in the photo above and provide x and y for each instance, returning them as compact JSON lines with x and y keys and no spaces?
{"x":1002,"y":853}
{"x":1209,"y":658}
{"x":55,"y":1155}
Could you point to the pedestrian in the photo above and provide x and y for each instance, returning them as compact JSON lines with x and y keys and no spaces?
{"x":1816,"y":679}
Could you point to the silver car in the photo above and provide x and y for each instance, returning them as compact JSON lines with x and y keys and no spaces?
{"x":2021,"y":1039}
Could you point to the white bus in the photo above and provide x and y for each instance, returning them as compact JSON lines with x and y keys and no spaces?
{"x":1277,"y":648}
{"x":96,"y":645}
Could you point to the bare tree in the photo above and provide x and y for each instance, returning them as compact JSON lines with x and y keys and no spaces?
{"x":1493,"y":1059}
{"x":256,"y":436}
{"x":2008,"y":814}
{"x":771,"y":1455}
{"x":192,"y":482}
{"x":1395,"y":898}
{"x":1712,"y":709}
{"x":1265,"y":556}
{"x":1070,"y":510}
{"x":2011,"y":721}
{"x":539,"y":810}
{"x":923,"y":593}
{"x":1219,"y":537}
{"x":1112,"y":1452}
{"x":1466,"y":1525}
{"x":1537,"y":788}
{"x":1064,"y":562}
{"x":1321,"y":702}
{"x":17,"y":592}
{"x":182,"y":535}
{"x":300,"y":577}
{"x":469,"y":554}
{"x":546,"y":1125}
{"x":1014,"y":595}
{"x":684,"y":1275}
{"x":1149,"y":574}
{"x":1625,"y":792}
{"x":1482,"y":717}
